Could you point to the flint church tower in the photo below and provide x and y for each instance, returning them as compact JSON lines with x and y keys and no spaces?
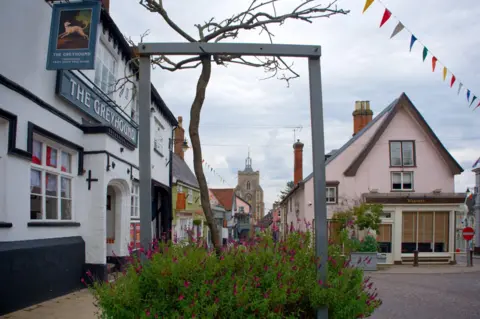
{"x":249,"y":189}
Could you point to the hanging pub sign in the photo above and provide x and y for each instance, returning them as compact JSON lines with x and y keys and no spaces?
{"x":73,"y":36}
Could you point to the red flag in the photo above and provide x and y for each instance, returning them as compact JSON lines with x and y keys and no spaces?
{"x":386,"y":15}
{"x":434,"y":63}
{"x":453,"y":80}
{"x":476,"y":106}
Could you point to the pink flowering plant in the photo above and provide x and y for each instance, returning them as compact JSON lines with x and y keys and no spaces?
{"x":256,"y":279}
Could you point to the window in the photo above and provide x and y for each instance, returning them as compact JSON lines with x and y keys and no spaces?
{"x":331,"y":195}
{"x":425,"y":232}
{"x":135,"y":212}
{"x":258,"y":196}
{"x":158,"y":141}
{"x":249,"y":198}
{"x":50,"y":182}
{"x":105,"y":70}
{"x":248,"y":186}
{"x":402,"y":181}
{"x":134,"y":110}
{"x":384,"y":238}
{"x":402,"y":153}
{"x":179,"y":189}
{"x":190,"y":196}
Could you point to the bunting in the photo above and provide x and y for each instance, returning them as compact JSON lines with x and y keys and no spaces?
{"x":367,"y":4}
{"x":399,"y":27}
{"x":210,"y":168}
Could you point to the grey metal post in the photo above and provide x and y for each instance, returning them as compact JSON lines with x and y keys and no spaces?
{"x":477,"y":211}
{"x":144,"y":153}
{"x":318,"y":150}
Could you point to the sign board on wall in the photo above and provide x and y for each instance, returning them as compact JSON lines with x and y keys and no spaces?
{"x":73,"y":36}
{"x":78,"y":93}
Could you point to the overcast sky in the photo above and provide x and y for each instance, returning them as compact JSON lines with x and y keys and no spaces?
{"x":359,"y":62}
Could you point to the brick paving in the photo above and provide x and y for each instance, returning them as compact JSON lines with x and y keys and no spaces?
{"x":424,"y":292}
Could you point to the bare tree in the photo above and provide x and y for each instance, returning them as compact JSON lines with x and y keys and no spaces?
{"x":259,"y":15}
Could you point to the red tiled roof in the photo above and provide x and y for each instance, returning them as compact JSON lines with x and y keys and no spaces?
{"x":224,"y":196}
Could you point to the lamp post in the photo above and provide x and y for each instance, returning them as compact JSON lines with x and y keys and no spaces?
{"x":476,"y":207}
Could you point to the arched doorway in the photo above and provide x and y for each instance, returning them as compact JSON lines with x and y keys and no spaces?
{"x":117,"y":216}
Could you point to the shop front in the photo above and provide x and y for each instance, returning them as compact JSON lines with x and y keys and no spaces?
{"x":417,"y":222}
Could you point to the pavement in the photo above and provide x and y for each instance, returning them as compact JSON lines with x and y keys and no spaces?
{"x":426,"y":292}
{"x":77,"y":305}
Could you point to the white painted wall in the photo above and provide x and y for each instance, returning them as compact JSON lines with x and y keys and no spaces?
{"x":27,"y":68}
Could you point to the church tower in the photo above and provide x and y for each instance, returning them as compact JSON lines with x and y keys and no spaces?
{"x":249,"y":189}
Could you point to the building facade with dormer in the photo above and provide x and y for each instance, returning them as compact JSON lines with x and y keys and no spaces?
{"x":249,"y":189}
{"x":69,"y":159}
{"x":396,"y":160}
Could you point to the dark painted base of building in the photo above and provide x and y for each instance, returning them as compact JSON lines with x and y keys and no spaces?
{"x":33,"y":271}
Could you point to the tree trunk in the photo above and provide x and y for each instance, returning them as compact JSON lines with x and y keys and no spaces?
{"x":197,"y":149}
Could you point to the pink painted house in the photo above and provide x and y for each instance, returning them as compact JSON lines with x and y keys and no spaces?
{"x":394,"y":159}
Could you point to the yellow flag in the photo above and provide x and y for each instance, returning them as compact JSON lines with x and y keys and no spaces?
{"x":367,"y":4}
{"x":444,"y":73}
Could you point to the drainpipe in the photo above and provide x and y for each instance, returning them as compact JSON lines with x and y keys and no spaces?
{"x":169,"y":234}
{"x":476,"y":207}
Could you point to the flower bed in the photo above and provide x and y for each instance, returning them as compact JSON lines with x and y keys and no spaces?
{"x":258,"y":279}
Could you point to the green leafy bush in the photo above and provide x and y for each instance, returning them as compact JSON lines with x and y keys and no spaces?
{"x":256,"y":279}
{"x":368,"y":244}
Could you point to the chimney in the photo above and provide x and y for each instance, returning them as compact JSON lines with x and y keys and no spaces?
{"x":297,"y":162}
{"x":179,"y":138}
{"x":362,"y":115}
{"x":106,"y":5}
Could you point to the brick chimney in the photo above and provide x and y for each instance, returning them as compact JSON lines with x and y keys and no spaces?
{"x":297,"y":162}
{"x":362,"y":115}
{"x":106,"y":5}
{"x":179,"y":138}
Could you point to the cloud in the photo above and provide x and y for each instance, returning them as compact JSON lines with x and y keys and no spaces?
{"x":359,"y":62}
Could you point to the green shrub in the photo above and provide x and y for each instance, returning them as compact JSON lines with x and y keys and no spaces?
{"x":368,"y":244}
{"x":258,"y":279}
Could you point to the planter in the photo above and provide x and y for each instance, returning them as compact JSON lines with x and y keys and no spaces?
{"x":364,"y":260}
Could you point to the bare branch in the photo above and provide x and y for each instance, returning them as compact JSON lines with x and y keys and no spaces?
{"x":167,"y":64}
{"x":157,"y":6}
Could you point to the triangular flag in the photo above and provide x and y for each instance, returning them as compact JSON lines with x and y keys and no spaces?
{"x":412,"y":41}
{"x":453,"y":80}
{"x":476,"y":106}
{"x":459,"y":88}
{"x":468,"y":95}
{"x":434,"y":63}
{"x":425,"y":52}
{"x":444,"y":73}
{"x":386,"y":15}
{"x":397,"y":29}
{"x":474,"y":98}
{"x":367,"y":4}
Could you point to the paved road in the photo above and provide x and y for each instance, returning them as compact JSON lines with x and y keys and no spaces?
{"x":428,"y":296}
{"x":405,"y":296}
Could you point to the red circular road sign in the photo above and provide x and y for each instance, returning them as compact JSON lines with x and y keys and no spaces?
{"x":468,"y":233}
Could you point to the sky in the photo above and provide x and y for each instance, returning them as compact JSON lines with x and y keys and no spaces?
{"x":359,"y":62}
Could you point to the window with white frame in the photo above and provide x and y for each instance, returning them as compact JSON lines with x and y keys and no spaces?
{"x":135,"y":212}
{"x":105,"y":70}
{"x":186,"y":224}
{"x":50,"y":182}
{"x":402,"y":153}
{"x":179,"y":189}
{"x":134,"y":110}
{"x":158,"y":141}
{"x":190,"y":196}
{"x":402,"y":181}
{"x":331,"y":195}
